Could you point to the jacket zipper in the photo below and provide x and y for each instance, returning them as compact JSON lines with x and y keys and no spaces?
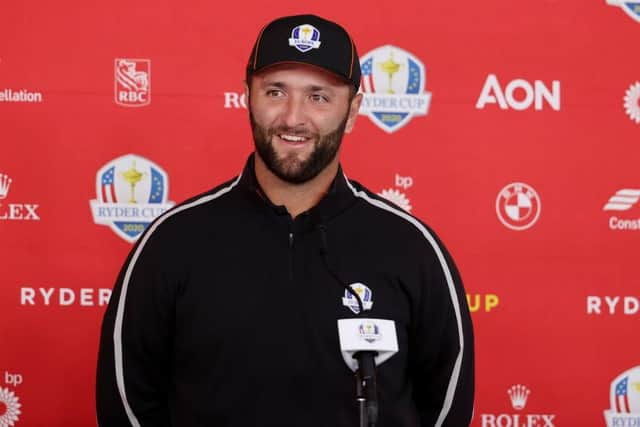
{"x":291,"y":255}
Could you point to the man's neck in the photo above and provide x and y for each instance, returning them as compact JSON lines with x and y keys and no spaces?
{"x":297,"y":198}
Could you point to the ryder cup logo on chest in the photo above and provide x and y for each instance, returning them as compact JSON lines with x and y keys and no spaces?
{"x":624,"y":398}
{"x":132,"y":82}
{"x":518,"y":206}
{"x":393,"y":83}
{"x":363,"y":291}
{"x":131,"y":191}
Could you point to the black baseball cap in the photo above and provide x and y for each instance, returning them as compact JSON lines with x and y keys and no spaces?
{"x":306,"y":39}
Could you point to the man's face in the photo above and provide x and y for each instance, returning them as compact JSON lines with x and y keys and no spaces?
{"x":298,"y":115}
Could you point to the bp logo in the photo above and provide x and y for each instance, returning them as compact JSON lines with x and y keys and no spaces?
{"x":518,"y":206}
{"x":632,"y":102}
{"x":393,"y":83}
{"x":624,"y":398}
{"x":631,"y":8}
{"x":131,"y":191}
{"x":9,"y":407}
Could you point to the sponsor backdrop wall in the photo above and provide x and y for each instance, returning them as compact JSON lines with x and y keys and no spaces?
{"x":512,"y":128}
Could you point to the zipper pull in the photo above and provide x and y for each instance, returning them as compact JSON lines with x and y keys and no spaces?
{"x":291,"y":239}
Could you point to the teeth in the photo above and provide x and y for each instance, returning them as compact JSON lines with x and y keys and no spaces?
{"x":293,"y":138}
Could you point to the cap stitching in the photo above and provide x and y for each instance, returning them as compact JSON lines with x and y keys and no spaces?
{"x":255,"y":56}
{"x":351,"y":66}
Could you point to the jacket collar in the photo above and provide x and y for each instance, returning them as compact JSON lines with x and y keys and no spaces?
{"x":339,"y":197}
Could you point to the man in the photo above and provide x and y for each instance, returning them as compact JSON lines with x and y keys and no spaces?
{"x":225,"y":312}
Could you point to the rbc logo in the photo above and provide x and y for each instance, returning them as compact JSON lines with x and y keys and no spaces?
{"x":133,"y":82}
{"x":393,"y":83}
{"x":131,"y":191}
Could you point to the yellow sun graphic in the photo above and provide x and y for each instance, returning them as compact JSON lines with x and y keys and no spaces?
{"x":11,"y":411}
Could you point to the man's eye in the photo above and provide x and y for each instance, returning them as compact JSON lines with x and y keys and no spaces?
{"x":274,"y":92}
{"x":319,"y":98}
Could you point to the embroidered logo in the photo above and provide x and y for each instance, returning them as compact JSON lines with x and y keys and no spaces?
{"x":363,"y":292}
{"x":305,"y":37}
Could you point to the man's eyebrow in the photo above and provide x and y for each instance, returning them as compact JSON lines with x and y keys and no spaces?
{"x":316,"y":88}
{"x":276,"y":83}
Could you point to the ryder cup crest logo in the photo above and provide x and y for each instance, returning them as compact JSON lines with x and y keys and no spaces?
{"x":631,"y":8}
{"x":305,"y":37}
{"x":393,"y":84}
{"x":518,"y":206}
{"x":131,"y":191}
{"x":632,"y":101}
{"x":363,"y":292}
{"x":624,"y":398}
{"x":369,"y":331}
{"x":132,"y":82}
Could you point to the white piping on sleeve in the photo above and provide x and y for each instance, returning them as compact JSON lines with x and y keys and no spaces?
{"x":455,"y":374}
{"x":117,"y":330}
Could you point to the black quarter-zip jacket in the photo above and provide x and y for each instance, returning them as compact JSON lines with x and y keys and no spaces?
{"x":225,"y":315}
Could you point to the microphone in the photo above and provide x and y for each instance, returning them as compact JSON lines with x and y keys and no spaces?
{"x":366,"y":343}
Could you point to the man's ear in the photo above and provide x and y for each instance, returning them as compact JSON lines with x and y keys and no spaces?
{"x":353,"y":112}
{"x":246,"y":91}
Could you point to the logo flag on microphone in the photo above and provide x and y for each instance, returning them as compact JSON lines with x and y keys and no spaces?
{"x":369,"y":331}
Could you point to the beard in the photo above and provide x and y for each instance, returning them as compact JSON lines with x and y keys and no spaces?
{"x":289,"y":168}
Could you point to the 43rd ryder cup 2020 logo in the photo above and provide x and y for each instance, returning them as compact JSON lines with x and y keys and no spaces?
{"x":131,"y":191}
{"x":393,"y":83}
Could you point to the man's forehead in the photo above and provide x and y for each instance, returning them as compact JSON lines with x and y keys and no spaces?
{"x":298,"y":73}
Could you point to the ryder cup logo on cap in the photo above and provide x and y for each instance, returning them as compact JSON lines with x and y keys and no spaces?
{"x":363,"y":292}
{"x":131,"y":191}
{"x":518,"y":206}
{"x":393,"y":83}
{"x":624,"y":398}
{"x":132,"y":82}
{"x":305,"y":37}
{"x":631,"y":8}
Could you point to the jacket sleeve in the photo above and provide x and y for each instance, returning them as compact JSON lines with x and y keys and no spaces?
{"x":134,"y":358}
{"x":443,"y":358}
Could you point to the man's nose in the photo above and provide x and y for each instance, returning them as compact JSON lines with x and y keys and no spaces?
{"x":294,"y":114}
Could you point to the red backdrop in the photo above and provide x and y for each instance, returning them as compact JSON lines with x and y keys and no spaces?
{"x":543,"y":94}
